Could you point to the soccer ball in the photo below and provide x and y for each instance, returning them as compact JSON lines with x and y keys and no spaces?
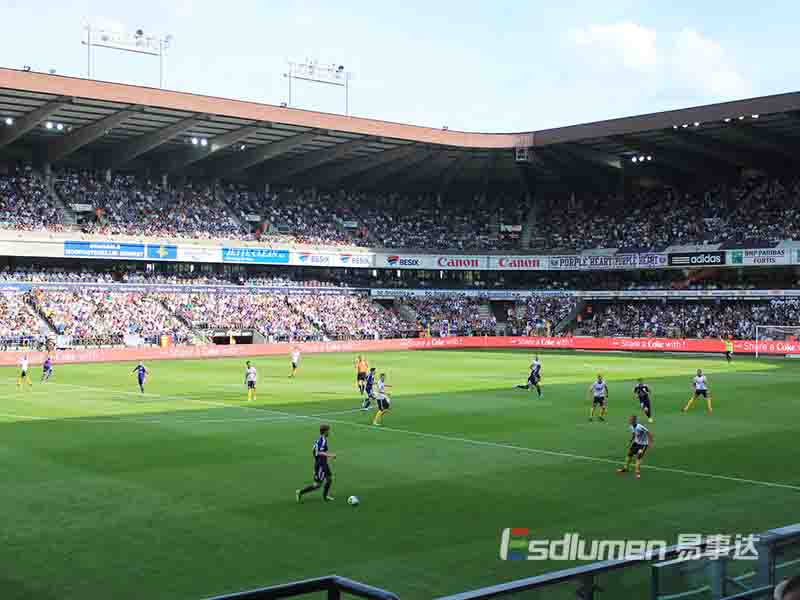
{"x":353,"y":500}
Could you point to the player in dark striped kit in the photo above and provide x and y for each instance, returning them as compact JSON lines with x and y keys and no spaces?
{"x":643,"y":393}
{"x":323,"y":477}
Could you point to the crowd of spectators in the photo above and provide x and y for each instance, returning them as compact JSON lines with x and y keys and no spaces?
{"x":113,"y":316}
{"x":269,"y":314}
{"x":106,"y":317}
{"x":25,"y":203}
{"x":457,"y":314}
{"x":756,"y":209}
{"x":18,"y":323}
{"x":127,"y":205}
{"x":647,"y":220}
{"x":737,"y":319}
{"x":347,"y":316}
{"x":544,"y":312}
{"x":771,"y":212}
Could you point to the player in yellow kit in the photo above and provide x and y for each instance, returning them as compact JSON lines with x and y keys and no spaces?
{"x":728,"y":349}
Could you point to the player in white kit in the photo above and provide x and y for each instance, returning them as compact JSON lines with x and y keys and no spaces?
{"x":23,"y":371}
{"x":250,"y":380}
{"x":295,"y":361}
{"x":641,"y":440}
{"x":699,"y":388}
{"x":599,"y":392}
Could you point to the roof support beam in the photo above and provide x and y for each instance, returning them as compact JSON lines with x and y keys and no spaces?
{"x":249,"y":158}
{"x":705,"y":145}
{"x":573,"y":168}
{"x":71,"y":142}
{"x":543,"y":163}
{"x":432,"y":169}
{"x":378,"y":174}
{"x":127,"y":151}
{"x":781,"y":144}
{"x":688,"y":163}
{"x":180,"y":159}
{"x":336,"y":173}
{"x":452,"y":172}
{"x":522,"y":174}
{"x":314,"y":159}
{"x":593,"y":156}
{"x":488,"y":171}
{"x":30,"y":120}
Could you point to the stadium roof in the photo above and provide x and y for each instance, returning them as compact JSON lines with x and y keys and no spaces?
{"x":109,"y":125}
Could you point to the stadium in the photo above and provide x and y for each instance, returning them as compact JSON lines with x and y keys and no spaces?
{"x":153,"y":241}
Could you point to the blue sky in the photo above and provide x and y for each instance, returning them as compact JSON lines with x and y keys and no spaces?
{"x":505,"y":65}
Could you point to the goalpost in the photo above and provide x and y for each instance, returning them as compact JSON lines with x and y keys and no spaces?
{"x":778,"y":333}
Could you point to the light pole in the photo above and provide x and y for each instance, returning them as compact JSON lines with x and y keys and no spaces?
{"x":311,"y":70}
{"x":137,"y":42}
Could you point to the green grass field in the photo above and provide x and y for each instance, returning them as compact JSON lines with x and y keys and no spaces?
{"x":188,"y":491}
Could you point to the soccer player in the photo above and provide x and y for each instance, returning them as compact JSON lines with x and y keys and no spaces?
{"x":250,"y":380}
{"x":141,"y":374}
{"x":23,"y":372}
{"x":295,"y":361}
{"x":47,"y":369}
{"x":384,"y":402}
{"x":599,"y":392}
{"x":641,"y":440}
{"x":322,"y":470}
{"x":24,"y":364}
{"x":361,"y":374}
{"x":642,"y":393}
{"x":534,"y":378}
{"x":369,"y":387}
{"x":728,"y":349}
{"x":699,"y":388}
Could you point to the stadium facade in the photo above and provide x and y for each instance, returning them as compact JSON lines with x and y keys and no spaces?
{"x":60,"y":128}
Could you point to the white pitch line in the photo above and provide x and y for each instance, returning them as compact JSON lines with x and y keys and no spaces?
{"x":30,"y":417}
{"x":478,"y":442}
{"x":561,"y":454}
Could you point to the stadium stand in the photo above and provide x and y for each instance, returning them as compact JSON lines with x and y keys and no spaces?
{"x":269,"y":314}
{"x":19,"y":324}
{"x":457,"y":314}
{"x":760,"y":210}
{"x":25,"y":203}
{"x":675,"y":319}
{"x":99,"y":318}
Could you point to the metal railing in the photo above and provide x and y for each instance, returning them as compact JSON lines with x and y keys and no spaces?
{"x":778,"y":555}
{"x":647,"y":576}
{"x":333,"y":585}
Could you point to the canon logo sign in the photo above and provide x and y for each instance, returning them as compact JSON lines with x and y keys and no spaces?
{"x":518,"y":263}
{"x":452,"y":262}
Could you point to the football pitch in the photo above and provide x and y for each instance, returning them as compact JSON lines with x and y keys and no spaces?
{"x":188,"y":490}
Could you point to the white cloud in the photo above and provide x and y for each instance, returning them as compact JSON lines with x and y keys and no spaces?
{"x":628,"y":44}
{"x":684,"y":65}
{"x":702,"y":65}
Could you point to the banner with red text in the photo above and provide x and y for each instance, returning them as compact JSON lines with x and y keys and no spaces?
{"x":555,"y":343}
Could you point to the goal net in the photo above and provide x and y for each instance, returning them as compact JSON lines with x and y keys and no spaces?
{"x":778,"y":339}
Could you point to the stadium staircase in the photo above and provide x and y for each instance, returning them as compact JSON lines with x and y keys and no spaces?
{"x":405,"y":312}
{"x":222,"y":202}
{"x":485,"y":311}
{"x":567,"y":323}
{"x":45,"y":323}
{"x":528,"y":228}
{"x":199,"y":336}
{"x":68,"y":215}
